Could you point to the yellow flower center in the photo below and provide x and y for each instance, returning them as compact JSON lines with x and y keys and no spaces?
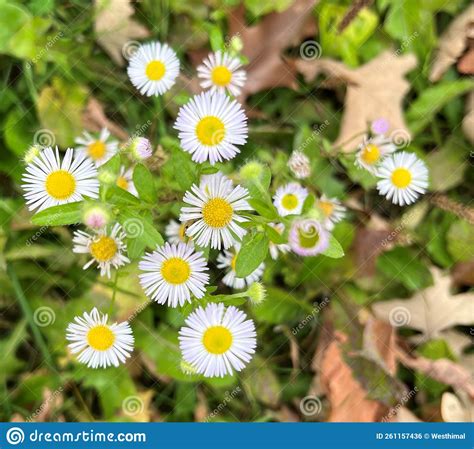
{"x":327,"y":207}
{"x":217,"y":213}
{"x":155,"y":70}
{"x":103,"y":249}
{"x":308,"y":238}
{"x":60,"y":184}
{"x":221,"y":76}
{"x":289,"y":201}
{"x":210,"y":130}
{"x":96,"y":150}
{"x":175,"y":270}
{"x":100,"y":337}
{"x":217,"y":339}
{"x":122,"y":182}
{"x":370,"y":154}
{"x":182,"y":232}
{"x":233,"y":262}
{"x":401,"y":178}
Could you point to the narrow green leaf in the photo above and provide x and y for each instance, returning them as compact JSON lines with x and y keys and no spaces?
{"x":334,"y":249}
{"x":143,"y":181}
{"x":252,"y":253}
{"x":59,"y":215}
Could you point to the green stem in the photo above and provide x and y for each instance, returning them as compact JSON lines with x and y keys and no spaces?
{"x":114,"y":293}
{"x":160,"y":116}
{"x":40,"y":342}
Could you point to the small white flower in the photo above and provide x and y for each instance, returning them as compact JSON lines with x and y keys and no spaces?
{"x":308,"y":237}
{"x":210,"y":126}
{"x":403,"y":178}
{"x":176,"y":232}
{"x":372,"y":151}
{"x":48,"y":181}
{"x":275,"y":248}
{"x":215,"y":208}
{"x":289,"y":199}
{"x":99,"y":149}
{"x":173,"y":273}
{"x":98,"y":344}
{"x":299,"y":164}
{"x":153,"y":68}
{"x":216,"y":341}
{"x":220,"y":71}
{"x":332,"y":210}
{"x":125,"y":180}
{"x":140,"y":148}
{"x":107,"y":250}
{"x":227,"y":260}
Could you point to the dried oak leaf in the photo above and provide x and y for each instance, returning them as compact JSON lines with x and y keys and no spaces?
{"x":468,"y":120}
{"x":430,"y":310}
{"x":374,"y":90}
{"x":264,"y":43}
{"x":114,"y":27}
{"x":452,"y":43}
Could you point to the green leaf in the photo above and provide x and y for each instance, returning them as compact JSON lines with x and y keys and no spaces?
{"x":334,"y":249}
{"x":264,"y":209}
{"x":461,"y":241}
{"x":275,"y":236}
{"x":120,"y":197}
{"x":405,"y":265}
{"x":432,"y":99}
{"x":65,"y":214}
{"x":252,"y":253}
{"x":144,"y":183}
{"x":139,"y":227}
{"x":17,"y":131}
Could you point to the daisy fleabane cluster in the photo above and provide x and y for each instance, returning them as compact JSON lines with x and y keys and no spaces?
{"x":100,"y":149}
{"x":215,"y":208}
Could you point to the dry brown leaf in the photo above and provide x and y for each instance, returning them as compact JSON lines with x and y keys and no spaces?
{"x":265,"y":42}
{"x":452,"y":43}
{"x":115,"y":28}
{"x":374,"y":90}
{"x":468,"y":120}
{"x":201,"y":411}
{"x":348,"y":399}
{"x":431,"y":310}
{"x":466,"y":63}
{"x":94,"y":119}
{"x":463,"y":272}
{"x":379,"y":343}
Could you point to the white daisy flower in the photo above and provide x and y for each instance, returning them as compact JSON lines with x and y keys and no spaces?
{"x":48,"y":181}
{"x":176,"y":232}
{"x":403,"y":178}
{"x":215,"y":208}
{"x":125,"y":180}
{"x":308,"y":237}
{"x":210,"y":126}
{"x":220,"y":71}
{"x":172,"y":273}
{"x":216,"y":340}
{"x":332,"y":210}
{"x":99,"y":149}
{"x":299,"y":164}
{"x":106,"y":249}
{"x":372,"y":151}
{"x":275,"y":248}
{"x":289,"y":199}
{"x":98,"y":344}
{"x":153,"y":68}
{"x":227,"y":260}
